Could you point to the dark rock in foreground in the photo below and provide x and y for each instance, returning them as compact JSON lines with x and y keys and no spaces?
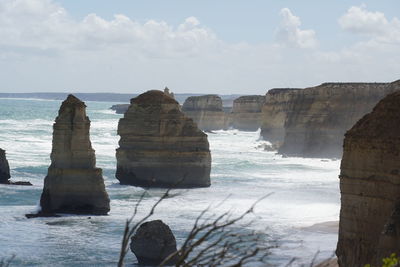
{"x":73,"y":183}
{"x":160,"y":146}
{"x":153,"y":242}
{"x":4,"y":168}
{"x":369,"y":228}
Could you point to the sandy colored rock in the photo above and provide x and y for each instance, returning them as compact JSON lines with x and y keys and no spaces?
{"x":206,"y":111}
{"x":277,"y":107}
{"x":246,"y":112}
{"x":73,"y":183}
{"x":311,"y":122}
{"x":4,"y":168}
{"x":160,"y":146}
{"x":153,"y":242}
{"x":369,"y":228}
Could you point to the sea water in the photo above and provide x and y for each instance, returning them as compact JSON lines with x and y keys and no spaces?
{"x":304,"y":192}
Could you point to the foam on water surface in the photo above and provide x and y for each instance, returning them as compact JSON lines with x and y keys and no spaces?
{"x":304,"y":192}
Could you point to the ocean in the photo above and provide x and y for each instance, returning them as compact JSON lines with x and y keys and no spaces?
{"x":299,"y":216}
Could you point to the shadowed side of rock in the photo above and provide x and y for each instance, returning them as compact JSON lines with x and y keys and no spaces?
{"x":73,"y":183}
{"x":153,"y":242}
{"x":246,"y":112}
{"x":160,"y":146}
{"x":4,"y":168}
{"x":369,"y":227}
{"x":206,"y":111}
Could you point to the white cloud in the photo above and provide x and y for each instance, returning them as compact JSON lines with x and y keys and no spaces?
{"x":289,"y":32}
{"x":42,"y":48}
{"x":375,"y":25}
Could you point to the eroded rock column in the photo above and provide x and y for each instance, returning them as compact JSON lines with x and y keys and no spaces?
{"x":73,"y":183}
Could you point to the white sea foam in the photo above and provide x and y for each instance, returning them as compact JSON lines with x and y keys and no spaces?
{"x":305,"y":192}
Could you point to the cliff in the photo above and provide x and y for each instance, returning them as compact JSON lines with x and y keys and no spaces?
{"x":369,"y":227}
{"x":4,"y":168}
{"x":73,"y":183}
{"x":160,"y":146}
{"x":206,"y":111}
{"x":319,"y":116}
{"x":246,"y":112}
{"x":278,"y":104}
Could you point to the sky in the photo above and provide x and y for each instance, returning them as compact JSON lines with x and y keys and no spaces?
{"x":207,"y":46}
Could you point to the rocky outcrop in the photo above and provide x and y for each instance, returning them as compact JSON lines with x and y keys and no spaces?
{"x":168,"y":93}
{"x":206,"y":111}
{"x":120,"y":108}
{"x":278,"y":104}
{"x":311,"y":122}
{"x":246,"y":112}
{"x":73,"y":183}
{"x":369,"y":226}
{"x":160,"y":146}
{"x":4,"y":168}
{"x":153,"y":242}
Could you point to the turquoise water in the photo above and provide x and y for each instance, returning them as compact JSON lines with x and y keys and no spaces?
{"x":305,"y":192}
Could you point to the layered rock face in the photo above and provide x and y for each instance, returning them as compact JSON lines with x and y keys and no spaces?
{"x":153,"y":242}
{"x":246,"y":112}
{"x":369,"y":228}
{"x":73,"y":183}
{"x":319,"y":116}
{"x":278,"y":104}
{"x":160,"y":146}
{"x":4,"y":168}
{"x":206,"y":111}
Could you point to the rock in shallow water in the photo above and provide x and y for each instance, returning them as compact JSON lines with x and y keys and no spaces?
{"x":153,"y":242}
{"x":4,"y":168}
{"x":369,"y":227}
{"x":73,"y":183}
{"x":160,"y":146}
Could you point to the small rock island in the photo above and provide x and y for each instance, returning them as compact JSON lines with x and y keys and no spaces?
{"x":160,"y":146}
{"x":73,"y":183}
{"x":4,"y":168}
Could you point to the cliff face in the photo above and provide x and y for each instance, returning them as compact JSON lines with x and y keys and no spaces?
{"x":73,"y":183}
{"x":160,"y":146}
{"x":246,"y":112}
{"x":4,"y":168}
{"x":278,"y":104}
{"x":369,"y":226}
{"x":206,"y":111}
{"x":319,"y":116}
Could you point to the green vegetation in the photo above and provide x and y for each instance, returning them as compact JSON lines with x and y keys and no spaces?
{"x":392,"y":261}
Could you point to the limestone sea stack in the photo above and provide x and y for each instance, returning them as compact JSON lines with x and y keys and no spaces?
{"x":207,"y":111}
{"x":73,"y":183}
{"x":277,"y":107}
{"x":369,"y":227}
{"x":4,"y":168}
{"x":246,"y":112}
{"x":160,"y":146}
